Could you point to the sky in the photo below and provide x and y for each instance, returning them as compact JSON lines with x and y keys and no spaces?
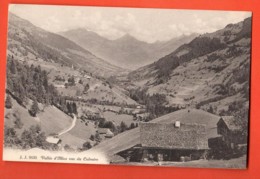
{"x":145,"y":24}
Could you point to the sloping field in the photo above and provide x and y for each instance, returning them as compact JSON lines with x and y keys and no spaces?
{"x":53,"y":120}
{"x":131,"y":138}
{"x":71,"y":140}
{"x":18,"y":111}
{"x":118,"y":118}
{"x":79,"y":134}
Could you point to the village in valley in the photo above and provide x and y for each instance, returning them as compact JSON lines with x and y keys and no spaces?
{"x":187,"y":108}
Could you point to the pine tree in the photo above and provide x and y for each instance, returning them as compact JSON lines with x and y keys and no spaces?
{"x":8,"y":102}
{"x":132,"y":125}
{"x":69,"y":107}
{"x":13,"y":67}
{"x":123,"y":126}
{"x":86,"y":88}
{"x":92,"y":137}
{"x":74,"y":108}
{"x":34,"y":108}
{"x":86,"y":146}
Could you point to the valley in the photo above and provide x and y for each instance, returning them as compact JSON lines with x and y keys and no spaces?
{"x":126,"y":52}
{"x":78,"y":91}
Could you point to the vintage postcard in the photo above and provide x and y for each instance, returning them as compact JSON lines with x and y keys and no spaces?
{"x":127,"y":86}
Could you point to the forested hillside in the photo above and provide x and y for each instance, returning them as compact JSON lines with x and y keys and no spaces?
{"x":30,"y":42}
{"x":211,"y":72}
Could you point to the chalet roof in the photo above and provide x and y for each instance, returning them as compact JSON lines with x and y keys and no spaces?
{"x":109,"y":134}
{"x":231,"y":123}
{"x":53,"y":140}
{"x":104,"y":131}
{"x":167,"y":136}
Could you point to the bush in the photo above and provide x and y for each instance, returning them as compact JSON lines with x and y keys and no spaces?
{"x":92,"y":137}
{"x":8,"y":102}
{"x":10,"y":137}
{"x":68,"y":148}
{"x":18,"y":123}
{"x":33,"y":138}
{"x":34,"y":108}
{"x":86,"y":146}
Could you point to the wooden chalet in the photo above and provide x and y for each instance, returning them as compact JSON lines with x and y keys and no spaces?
{"x":230,"y":132}
{"x":162,"y":139}
{"x":169,"y":142}
{"x":106,"y":132}
{"x":53,"y":140}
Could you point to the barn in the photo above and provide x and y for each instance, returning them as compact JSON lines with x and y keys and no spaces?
{"x":230,"y":131}
{"x":53,"y":140}
{"x":169,"y":142}
{"x":131,"y":144}
{"x":106,"y":132}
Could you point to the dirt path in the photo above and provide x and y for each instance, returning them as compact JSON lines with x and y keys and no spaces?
{"x":71,"y":127}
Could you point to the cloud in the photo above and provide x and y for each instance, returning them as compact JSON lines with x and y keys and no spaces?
{"x":145,"y":24}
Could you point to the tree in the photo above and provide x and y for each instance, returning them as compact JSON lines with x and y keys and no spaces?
{"x":34,"y":108}
{"x":41,"y":140}
{"x":10,"y":137}
{"x":102,"y":122}
{"x":36,"y":129}
{"x":86,"y":88}
{"x":71,"y":81}
{"x":68,"y":148}
{"x":13,"y":67}
{"x":132,"y":126}
{"x":33,"y":138}
{"x":210,"y":110}
{"x":97,"y":137}
{"x":123,"y":126}
{"x":8,"y":102}
{"x":92,"y":137}
{"x":121,"y":111}
{"x":74,"y":108}
{"x":28,"y":140}
{"x":18,"y":123}
{"x":86,"y":146}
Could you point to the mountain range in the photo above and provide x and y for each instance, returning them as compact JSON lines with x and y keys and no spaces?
{"x":126,"y":51}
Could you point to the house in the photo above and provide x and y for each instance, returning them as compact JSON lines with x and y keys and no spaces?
{"x":169,"y":142}
{"x":106,"y":132}
{"x":138,"y":107}
{"x":109,"y":134}
{"x":53,"y":140}
{"x":128,"y":144}
{"x":230,"y":132}
{"x":87,"y":77}
{"x":142,"y":116}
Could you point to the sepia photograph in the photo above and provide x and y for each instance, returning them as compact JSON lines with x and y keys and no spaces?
{"x":127,"y":86}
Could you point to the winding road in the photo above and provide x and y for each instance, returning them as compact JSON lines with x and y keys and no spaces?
{"x":71,"y":127}
{"x":55,"y":139}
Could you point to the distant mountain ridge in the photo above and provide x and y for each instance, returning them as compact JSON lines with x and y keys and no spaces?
{"x":127,"y":51}
{"x":45,"y":45}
